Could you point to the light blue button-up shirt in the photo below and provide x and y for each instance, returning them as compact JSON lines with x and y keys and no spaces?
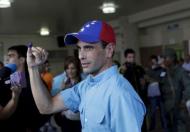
{"x":107,"y":103}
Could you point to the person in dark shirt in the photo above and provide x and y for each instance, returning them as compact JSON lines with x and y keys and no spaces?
{"x":131,"y":71}
{"x":135,"y":75}
{"x":26,"y":116}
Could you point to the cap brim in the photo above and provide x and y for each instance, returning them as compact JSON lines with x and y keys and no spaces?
{"x":73,"y":38}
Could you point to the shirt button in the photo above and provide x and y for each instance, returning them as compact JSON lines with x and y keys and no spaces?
{"x":85,"y":120}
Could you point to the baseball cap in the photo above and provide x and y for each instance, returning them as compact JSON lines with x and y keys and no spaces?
{"x":92,"y":32}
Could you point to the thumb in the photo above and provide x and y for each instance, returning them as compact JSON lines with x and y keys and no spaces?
{"x":29,"y":58}
{"x":29,"y":52}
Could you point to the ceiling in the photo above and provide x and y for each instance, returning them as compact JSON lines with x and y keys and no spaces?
{"x":27,"y":16}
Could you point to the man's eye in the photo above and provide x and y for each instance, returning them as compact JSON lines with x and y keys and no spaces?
{"x":89,"y":48}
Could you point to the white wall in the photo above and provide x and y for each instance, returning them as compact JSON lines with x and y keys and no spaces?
{"x":155,"y":27}
{"x":160,"y":34}
{"x":155,"y":23}
{"x":127,"y":37}
{"x":49,"y":43}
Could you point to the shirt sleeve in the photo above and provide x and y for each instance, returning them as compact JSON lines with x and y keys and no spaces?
{"x":186,"y":84}
{"x":71,"y":98}
{"x":127,"y":113}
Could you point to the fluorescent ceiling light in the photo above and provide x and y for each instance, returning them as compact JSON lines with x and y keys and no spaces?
{"x":5,"y":3}
{"x":44,"y":31}
{"x":108,"y":7}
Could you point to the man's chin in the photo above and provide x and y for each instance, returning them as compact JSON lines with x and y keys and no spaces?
{"x":86,"y":71}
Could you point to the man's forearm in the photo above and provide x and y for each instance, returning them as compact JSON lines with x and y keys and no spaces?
{"x":9,"y":109}
{"x":45,"y":102}
{"x":40,"y":93}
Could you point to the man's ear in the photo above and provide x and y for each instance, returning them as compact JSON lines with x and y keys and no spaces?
{"x":110,"y":48}
{"x":22,"y":60}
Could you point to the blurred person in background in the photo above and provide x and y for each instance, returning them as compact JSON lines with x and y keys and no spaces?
{"x":46,"y":74}
{"x":26,"y":116}
{"x":134,"y":73}
{"x":154,"y":93}
{"x":1,"y":64}
{"x":73,"y":72}
{"x":175,"y":87}
{"x":186,"y":63}
{"x":7,"y":107}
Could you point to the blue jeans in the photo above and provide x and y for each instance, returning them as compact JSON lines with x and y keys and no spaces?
{"x":154,"y":103}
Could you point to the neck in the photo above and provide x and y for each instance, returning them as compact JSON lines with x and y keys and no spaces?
{"x":103,"y":68}
{"x":21,"y":68}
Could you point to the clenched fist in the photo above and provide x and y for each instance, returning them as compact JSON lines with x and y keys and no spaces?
{"x":36,"y":56}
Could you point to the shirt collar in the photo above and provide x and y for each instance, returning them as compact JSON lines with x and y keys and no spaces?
{"x":92,"y":80}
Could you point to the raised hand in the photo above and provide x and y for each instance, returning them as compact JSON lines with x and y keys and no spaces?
{"x":36,"y":56}
{"x":16,"y":90}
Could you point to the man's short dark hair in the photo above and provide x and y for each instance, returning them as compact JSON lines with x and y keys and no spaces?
{"x":20,"y":49}
{"x":104,"y":44}
{"x":154,"y":57}
{"x":22,"y":52}
{"x":128,"y":51}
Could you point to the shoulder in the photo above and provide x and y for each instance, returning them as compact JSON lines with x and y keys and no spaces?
{"x":123,"y":89}
{"x":120,"y":85}
{"x":81,"y":86}
{"x":123,"y":95}
{"x":180,"y":71}
{"x":139,"y":67}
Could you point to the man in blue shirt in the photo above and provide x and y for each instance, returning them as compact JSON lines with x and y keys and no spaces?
{"x":105,"y":99}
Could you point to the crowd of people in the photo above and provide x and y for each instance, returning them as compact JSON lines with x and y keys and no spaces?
{"x":94,"y":93}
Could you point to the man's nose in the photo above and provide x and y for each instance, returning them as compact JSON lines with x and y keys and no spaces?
{"x":82,"y":54}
